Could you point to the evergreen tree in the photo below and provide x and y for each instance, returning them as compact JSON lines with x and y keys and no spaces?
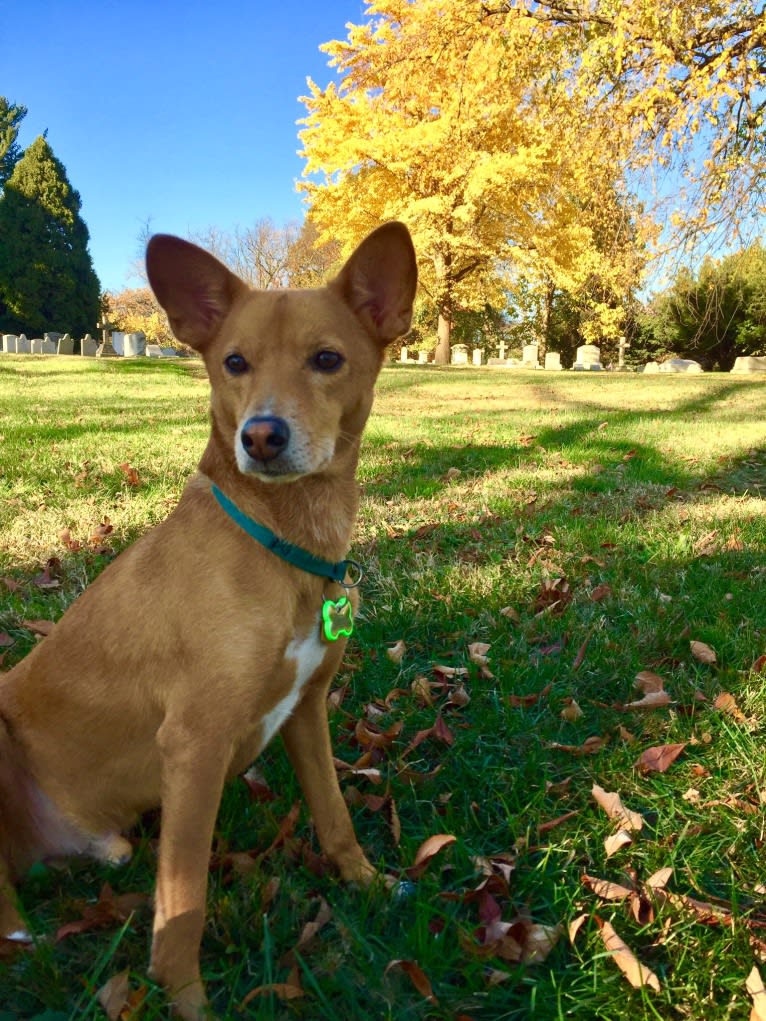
{"x":11,"y":117}
{"x":47,"y":280}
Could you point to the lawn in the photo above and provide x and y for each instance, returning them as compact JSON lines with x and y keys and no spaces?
{"x":533,"y":544}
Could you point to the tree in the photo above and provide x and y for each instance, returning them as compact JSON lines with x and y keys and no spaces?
{"x":459,"y":121}
{"x":713,"y":315}
{"x":136,"y":310}
{"x":47,"y":281}
{"x":11,"y":117}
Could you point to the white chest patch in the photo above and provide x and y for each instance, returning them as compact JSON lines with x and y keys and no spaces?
{"x":307,"y":654}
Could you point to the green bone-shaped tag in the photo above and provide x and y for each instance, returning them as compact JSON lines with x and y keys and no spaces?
{"x":337,"y":618}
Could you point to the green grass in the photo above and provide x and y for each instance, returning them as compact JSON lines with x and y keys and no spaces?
{"x":653,"y":486}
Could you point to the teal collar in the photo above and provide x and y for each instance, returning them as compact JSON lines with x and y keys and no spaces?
{"x":294,"y":555}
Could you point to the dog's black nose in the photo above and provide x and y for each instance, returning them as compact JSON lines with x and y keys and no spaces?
{"x":265,"y":437}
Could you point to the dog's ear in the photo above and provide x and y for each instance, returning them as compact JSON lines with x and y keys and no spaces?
{"x":379,"y":281}
{"x":194,"y":288}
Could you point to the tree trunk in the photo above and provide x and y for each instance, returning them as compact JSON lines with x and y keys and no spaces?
{"x":444,"y":330}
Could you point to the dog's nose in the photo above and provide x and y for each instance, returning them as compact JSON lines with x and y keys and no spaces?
{"x":265,"y":437}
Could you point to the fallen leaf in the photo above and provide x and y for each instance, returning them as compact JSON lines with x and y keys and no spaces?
{"x":109,"y":909}
{"x":614,"y":808}
{"x":575,"y":925}
{"x":131,"y":475}
{"x":511,"y":614}
{"x":636,"y":973}
{"x":601,"y":592}
{"x":50,"y":576}
{"x":427,"y":851}
{"x":648,"y":682}
{"x":659,"y":879}
{"x":659,"y":758}
{"x":289,"y":990}
{"x":416,"y":975}
{"x":571,"y":711}
{"x":590,"y":746}
{"x":726,"y":703}
{"x":616,"y":842}
{"x":653,"y":700}
{"x":607,"y":890}
{"x":308,"y":933}
{"x":396,"y":652}
{"x":113,"y":995}
{"x":38,"y":627}
{"x":524,"y":701}
{"x":477,"y":653}
{"x":754,"y":985}
{"x":703,"y":653}
{"x":759,"y":666}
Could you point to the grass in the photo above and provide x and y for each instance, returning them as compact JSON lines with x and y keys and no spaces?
{"x":481,"y":491}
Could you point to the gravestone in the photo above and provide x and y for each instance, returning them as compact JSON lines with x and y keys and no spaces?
{"x":105,"y":349}
{"x":8,"y":343}
{"x":651,"y":368}
{"x":153,"y":351}
{"x":403,"y":355}
{"x":23,"y":346}
{"x":49,"y":346}
{"x":680,"y":365}
{"x":588,"y":358}
{"x":529,"y":356}
{"x":36,"y":346}
{"x":65,"y":345}
{"x":553,"y":361}
{"x":622,"y":347}
{"x":118,"y":342}
{"x":459,"y":354}
{"x":134,"y":345}
{"x":168,"y":352}
{"x":422,"y":357}
{"x":88,"y":347}
{"x":476,"y":356}
{"x":749,"y":363}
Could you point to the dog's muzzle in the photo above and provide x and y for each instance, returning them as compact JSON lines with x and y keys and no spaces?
{"x":264,"y":437}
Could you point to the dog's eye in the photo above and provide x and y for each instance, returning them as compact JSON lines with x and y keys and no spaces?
{"x":327,"y":361}
{"x":235,"y":364}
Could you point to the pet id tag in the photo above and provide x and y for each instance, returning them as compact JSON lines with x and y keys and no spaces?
{"x":337,"y":619}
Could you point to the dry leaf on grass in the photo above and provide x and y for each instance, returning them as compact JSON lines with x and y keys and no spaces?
{"x":607,"y":890}
{"x":616,"y":842}
{"x":703,"y":653}
{"x":636,"y":973}
{"x":289,"y":990}
{"x":614,"y":808}
{"x":416,"y":975}
{"x":652,"y":700}
{"x":647,"y":681}
{"x":38,"y":627}
{"x":590,"y":746}
{"x":113,"y":995}
{"x":396,"y":652}
{"x":575,"y":925}
{"x":659,"y":758}
{"x":754,"y":985}
{"x":571,"y":711}
{"x":427,"y":850}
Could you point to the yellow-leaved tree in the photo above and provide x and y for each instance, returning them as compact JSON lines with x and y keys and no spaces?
{"x":463,"y":123}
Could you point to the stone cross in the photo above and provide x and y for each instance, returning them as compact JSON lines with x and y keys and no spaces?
{"x":502,"y":350}
{"x":105,"y":350}
{"x":622,"y":345}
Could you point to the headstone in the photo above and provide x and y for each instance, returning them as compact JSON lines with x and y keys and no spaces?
{"x":459,"y":354}
{"x":135,"y":345}
{"x":153,"y":351}
{"x":588,"y":357}
{"x":403,"y":355}
{"x":529,"y":356}
{"x":168,"y":352}
{"x":49,"y":346}
{"x":23,"y":346}
{"x":36,"y":346}
{"x":651,"y":368}
{"x":477,"y":356}
{"x":88,"y":347}
{"x":749,"y":363}
{"x":622,"y":346}
{"x":422,"y":357}
{"x":65,"y":346}
{"x":553,"y":361}
{"x":8,"y":343}
{"x":118,"y":342}
{"x":105,"y":349}
{"x":680,"y":365}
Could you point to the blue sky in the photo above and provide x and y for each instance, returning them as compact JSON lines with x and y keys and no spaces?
{"x":181,"y":113}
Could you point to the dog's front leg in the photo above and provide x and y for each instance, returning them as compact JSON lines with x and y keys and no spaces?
{"x":193,"y":772}
{"x":307,"y":739}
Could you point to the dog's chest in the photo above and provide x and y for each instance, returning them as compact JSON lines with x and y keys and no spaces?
{"x":304,"y":656}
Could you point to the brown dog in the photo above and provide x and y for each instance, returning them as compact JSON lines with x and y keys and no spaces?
{"x":110,"y":715}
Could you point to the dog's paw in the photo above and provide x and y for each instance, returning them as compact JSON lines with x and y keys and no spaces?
{"x":112,"y":849}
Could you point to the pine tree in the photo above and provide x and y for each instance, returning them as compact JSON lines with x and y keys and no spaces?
{"x":11,"y":117}
{"x":47,"y":280}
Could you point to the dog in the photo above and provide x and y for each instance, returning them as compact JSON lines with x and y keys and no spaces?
{"x":111,"y":715}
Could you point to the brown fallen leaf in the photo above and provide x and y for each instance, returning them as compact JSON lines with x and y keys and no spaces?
{"x":396,"y":652}
{"x":614,"y":808}
{"x":427,"y":851}
{"x":636,"y":973}
{"x":616,"y":842}
{"x":759,"y":666}
{"x":308,"y":933}
{"x":288,"y":990}
{"x":754,"y":985}
{"x":590,"y":746}
{"x":652,"y":700}
{"x":109,"y":909}
{"x":524,"y":701}
{"x":50,"y":576}
{"x":114,"y":994}
{"x":703,"y":653}
{"x":726,"y":703}
{"x":601,"y":592}
{"x":571,"y":711}
{"x":575,"y":925}
{"x":130,"y":473}
{"x":606,"y":889}
{"x":648,"y":682}
{"x":416,"y":975}
{"x":659,"y":879}
{"x":659,"y":758}
{"x":511,"y":614}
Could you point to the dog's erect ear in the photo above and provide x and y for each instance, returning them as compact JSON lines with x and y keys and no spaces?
{"x":379,"y":281}
{"x":194,"y":288}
